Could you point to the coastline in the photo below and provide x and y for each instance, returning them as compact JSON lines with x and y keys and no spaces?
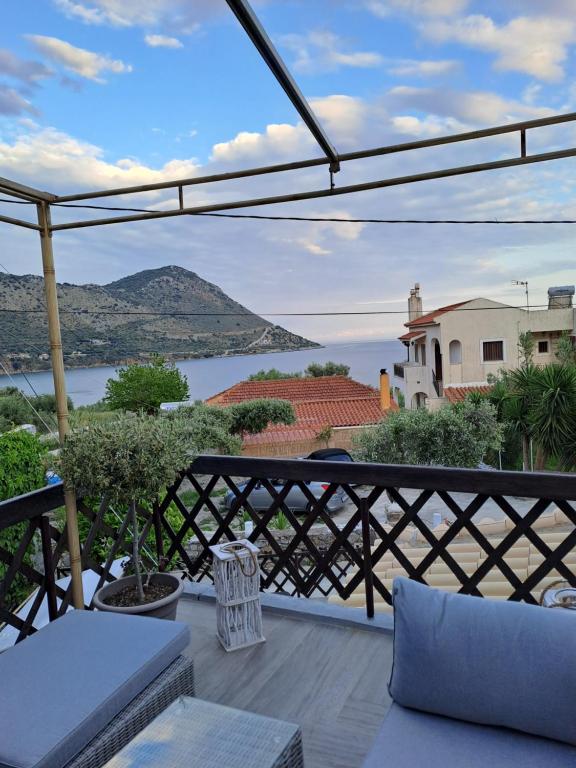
{"x":169,"y":358}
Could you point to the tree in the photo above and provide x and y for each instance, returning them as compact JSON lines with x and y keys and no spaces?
{"x":526,"y":349}
{"x":565,"y":351}
{"x":253,"y":416}
{"x":553,"y":413}
{"x":128,"y":461}
{"x":207,"y":428}
{"x":145,"y":387}
{"x":455,"y":436}
{"x":315,"y":370}
{"x":273,"y":374}
{"x":325,"y":434}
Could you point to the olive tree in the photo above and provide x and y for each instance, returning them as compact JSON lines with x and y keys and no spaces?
{"x":453,"y":436}
{"x":128,"y":461}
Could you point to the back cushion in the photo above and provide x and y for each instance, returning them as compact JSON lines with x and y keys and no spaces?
{"x":485,"y":661}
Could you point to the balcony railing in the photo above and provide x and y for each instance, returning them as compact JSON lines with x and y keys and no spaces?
{"x":305,"y":560}
{"x":399,"y":370}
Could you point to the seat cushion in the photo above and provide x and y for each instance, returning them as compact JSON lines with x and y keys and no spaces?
{"x":485,"y":661}
{"x":410,"y":739}
{"x":64,"y":684}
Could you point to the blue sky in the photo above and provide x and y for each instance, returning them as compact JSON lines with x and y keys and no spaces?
{"x":99,"y":93}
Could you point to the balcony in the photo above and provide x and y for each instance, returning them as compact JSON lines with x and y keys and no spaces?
{"x":325,"y":581}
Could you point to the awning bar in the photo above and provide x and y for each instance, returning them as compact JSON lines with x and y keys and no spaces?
{"x":28,"y":193}
{"x":19,"y":223}
{"x":266,"y":49}
{"x":445,"y":173}
{"x":300,"y":164}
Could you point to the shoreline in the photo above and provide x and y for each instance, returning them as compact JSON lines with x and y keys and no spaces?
{"x":169,"y":359}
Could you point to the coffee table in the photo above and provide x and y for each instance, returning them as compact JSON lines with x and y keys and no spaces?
{"x":192,"y":733}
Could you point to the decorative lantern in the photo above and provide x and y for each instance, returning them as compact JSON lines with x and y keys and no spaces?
{"x":237,"y":582}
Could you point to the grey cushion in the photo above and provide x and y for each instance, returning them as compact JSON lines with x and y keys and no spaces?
{"x":410,"y":739}
{"x":485,"y":661}
{"x":65,"y":683}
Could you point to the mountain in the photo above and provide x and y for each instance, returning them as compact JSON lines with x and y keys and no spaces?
{"x":116,"y":323}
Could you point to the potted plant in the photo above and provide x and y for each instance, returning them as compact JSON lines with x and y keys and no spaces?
{"x":128,"y":462}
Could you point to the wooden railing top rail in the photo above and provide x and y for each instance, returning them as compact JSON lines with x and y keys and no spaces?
{"x":30,"y":505}
{"x":546,"y":485}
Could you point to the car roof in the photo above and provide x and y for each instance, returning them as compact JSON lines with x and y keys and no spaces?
{"x":327,"y":452}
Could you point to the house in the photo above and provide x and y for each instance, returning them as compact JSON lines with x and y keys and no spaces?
{"x":454,"y":349}
{"x":337,"y":402}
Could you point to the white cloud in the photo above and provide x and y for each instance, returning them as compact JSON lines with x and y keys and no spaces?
{"x":384,"y":8}
{"x":84,"y":63}
{"x":321,"y":51}
{"x":472,"y":107}
{"x":416,"y":68}
{"x":427,"y":127}
{"x":182,"y":15}
{"x":162,"y":41}
{"x":46,"y":155}
{"x":537,"y":45}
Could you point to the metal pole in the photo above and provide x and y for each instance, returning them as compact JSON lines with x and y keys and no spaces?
{"x":44,"y":222}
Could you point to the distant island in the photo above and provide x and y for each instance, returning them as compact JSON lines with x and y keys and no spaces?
{"x":118,"y":323}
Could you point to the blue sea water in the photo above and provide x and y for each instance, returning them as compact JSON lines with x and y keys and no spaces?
{"x":208,"y":376}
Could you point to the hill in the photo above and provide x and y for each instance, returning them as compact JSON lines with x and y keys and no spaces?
{"x":119,"y":322}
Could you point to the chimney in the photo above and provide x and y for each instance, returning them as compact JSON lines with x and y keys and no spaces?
{"x":384,"y":390}
{"x":414,"y":303}
{"x":560,"y":297}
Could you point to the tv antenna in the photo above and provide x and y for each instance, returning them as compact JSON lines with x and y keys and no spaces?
{"x":525,"y":284}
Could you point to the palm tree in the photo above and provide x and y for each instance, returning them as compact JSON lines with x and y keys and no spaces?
{"x":515,"y":393}
{"x":553,"y":412}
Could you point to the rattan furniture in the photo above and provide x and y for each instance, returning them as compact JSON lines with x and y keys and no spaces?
{"x":192,"y":733}
{"x":177,"y":680}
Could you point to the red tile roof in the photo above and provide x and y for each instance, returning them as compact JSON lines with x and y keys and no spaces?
{"x":334,"y":401}
{"x":431,"y":316}
{"x":457,"y":394}
{"x":411,"y":335}
{"x":294,"y":390}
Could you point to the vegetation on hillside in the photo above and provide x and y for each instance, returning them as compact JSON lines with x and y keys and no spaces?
{"x":168,"y":310}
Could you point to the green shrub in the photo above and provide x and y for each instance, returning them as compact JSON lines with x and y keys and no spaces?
{"x":21,"y":470}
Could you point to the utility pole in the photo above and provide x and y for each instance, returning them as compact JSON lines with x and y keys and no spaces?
{"x":44,"y":220}
{"x":525,"y":284}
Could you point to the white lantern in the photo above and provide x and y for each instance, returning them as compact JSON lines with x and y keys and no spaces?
{"x":237,"y":582}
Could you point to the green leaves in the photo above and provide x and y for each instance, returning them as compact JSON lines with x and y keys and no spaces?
{"x":454,"y":436}
{"x":144,"y":387}
{"x":126,"y":460}
{"x":253,"y":416}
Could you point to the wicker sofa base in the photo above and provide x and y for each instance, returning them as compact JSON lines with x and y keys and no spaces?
{"x":176,"y":680}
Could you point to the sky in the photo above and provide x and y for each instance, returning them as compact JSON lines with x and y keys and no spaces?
{"x":107,"y":93}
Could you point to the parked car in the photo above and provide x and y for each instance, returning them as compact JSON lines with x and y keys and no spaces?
{"x":330,"y":454}
{"x":296,"y":501}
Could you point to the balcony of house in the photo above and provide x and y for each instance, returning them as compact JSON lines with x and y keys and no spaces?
{"x":327,"y":565}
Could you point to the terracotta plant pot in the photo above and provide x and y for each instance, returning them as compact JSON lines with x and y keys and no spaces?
{"x":161,"y":609}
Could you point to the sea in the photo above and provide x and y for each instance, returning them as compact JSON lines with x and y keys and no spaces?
{"x":208,"y":376}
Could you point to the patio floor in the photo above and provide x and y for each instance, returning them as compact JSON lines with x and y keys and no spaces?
{"x":329,"y":679}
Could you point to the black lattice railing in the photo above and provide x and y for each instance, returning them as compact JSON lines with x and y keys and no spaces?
{"x":348,"y":555}
{"x":37,"y":564}
{"x":320,"y":553}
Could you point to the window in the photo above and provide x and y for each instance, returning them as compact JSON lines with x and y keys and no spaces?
{"x":455,"y":352}
{"x":542,"y":347}
{"x":492,"y":351}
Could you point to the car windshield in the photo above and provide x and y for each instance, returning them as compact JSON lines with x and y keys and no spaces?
{"x":340,"y":457}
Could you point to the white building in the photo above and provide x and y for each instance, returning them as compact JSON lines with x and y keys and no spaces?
{"x":454,"y":349}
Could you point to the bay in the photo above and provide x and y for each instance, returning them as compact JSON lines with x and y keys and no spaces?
{"x":208,"y":376}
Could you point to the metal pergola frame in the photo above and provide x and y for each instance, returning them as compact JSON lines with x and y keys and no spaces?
{"x":45,"y":201}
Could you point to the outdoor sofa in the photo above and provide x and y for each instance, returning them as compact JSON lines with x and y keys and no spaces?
{"x":478,"y":683}
{"x":78,"y":690}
